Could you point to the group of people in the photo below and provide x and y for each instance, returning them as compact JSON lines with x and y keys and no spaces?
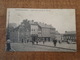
{"x":8,"y":48}
{"x":37,"y":41}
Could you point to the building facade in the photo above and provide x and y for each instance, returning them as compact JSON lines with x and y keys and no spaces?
{"x":34,"y":30}
{"x":21,"y":33}
{"x":30,"y":30}
{"x":45,"y":32}
{"x":70,"y":36}
{"x":58,"y":36}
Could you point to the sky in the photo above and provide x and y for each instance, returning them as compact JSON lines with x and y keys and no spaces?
{"x":61,"y":19}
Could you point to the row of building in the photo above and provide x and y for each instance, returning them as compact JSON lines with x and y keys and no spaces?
{"x":69,"y":36}
{"x":31,"y":30}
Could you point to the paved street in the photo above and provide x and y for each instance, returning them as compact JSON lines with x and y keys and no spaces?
{"x":39,"y":47}
{"x":61,"y":45}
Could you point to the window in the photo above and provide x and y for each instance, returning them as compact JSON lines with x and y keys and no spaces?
{"x":32,"y":29}
{"x":27,"y":30}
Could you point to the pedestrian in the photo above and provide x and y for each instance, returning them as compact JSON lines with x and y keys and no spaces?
{"x":32,"y":42}
{"x":54,"y":42}
{"x":59,"y":42}
{"x":43,"y":41}
{"x":37,"y":40}
{"x":8,"y":45}
{"x":27,"y":40}
{"x":22,"y":40}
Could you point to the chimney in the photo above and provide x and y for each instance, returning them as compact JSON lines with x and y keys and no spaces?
{"x":32,"y":20}
{"x":65,"y":31}
{"x":45,"y":24}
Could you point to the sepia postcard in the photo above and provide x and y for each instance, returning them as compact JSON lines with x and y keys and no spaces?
{"x":41,"y":30}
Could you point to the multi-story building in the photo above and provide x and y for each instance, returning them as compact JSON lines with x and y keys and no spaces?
{"x":52,"y":32}
{"x":21,"y":33}
{"x":58,"y":36}
{"x":70,"y":36}
{"x":45,"y":32}
{"x":41,"y":31}
{"x":34,"y":30}
{"x":30,"y":30}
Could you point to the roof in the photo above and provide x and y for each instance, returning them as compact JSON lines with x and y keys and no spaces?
{"x":56,"y":32}
{"x":70,"y":32}
{"x":45,"y":25}
{"x":32,"y":23}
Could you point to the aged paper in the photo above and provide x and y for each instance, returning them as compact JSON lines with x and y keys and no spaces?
{"x":41,"y":30}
